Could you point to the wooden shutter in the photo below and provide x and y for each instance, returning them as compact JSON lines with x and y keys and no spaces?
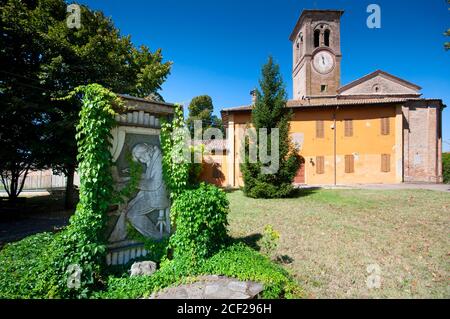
{"x":385,"y":126}
{"x":320,"y":165}
{"x":348,"y":128}
{"x":320,"y":131}
{"x":349,"y":164}
{"x":385,"y":163}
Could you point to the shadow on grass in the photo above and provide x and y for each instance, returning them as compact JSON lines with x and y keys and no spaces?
{"x":230,"y":190}
{"x":250,"y":240}
{"x":285,"y":259}
{"x":297,"y":192}
{"x":305,"y":191}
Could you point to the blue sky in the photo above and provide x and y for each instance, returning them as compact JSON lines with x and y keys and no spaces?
{"x":219,"y":46}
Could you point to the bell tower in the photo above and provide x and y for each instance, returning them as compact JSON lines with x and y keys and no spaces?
{"x":316,"y":43}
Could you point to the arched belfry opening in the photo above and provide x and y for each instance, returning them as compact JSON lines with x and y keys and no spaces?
{"x":327,"y":37}
{"x":316,"y":38}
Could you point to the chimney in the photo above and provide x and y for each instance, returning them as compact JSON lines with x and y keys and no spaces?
{"x":253,"y":94}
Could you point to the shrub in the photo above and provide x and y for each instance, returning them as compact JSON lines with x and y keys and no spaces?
{"x":269,"y":241}
{"x":446,"y":167}
{"x":242,"y":262}
{"x":136,"y":287}
{"x":176,"y":168}
{"x":83,"y":243}
{"x":195,"y":169}
{"x":255,"y":188}
{"x":25,"y":268}
{"x":237,"y":261}
{"x":201,"y":220}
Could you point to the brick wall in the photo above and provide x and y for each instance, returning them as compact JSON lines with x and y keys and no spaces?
{"x":422,"y":142}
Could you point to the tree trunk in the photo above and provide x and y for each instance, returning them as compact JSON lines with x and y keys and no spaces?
{"x":69,"y":201}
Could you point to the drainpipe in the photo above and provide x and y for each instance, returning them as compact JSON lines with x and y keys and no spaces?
{"x":335,"y":145}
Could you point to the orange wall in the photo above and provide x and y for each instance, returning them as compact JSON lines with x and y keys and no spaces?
{"x":367,"y":144}
{"x":208,"y":166}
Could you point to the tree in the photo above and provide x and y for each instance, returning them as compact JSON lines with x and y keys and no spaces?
{"x":270,"y":113}
{"x":201,"y":109}
{"x":43,"y":60}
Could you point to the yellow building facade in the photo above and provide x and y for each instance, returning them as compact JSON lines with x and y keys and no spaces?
{"x":376,"y":129}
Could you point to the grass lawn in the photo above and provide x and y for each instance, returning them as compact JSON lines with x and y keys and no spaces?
{"x":329,"y":237}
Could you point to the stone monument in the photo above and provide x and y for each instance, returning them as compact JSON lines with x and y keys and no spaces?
{"x":147,"y":211}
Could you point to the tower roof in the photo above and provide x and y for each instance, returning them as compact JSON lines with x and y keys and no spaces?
{"x":308,"y":12}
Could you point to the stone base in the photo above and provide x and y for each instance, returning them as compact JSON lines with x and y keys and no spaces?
{"x":123,"y":252}
{"x":212,"y":287}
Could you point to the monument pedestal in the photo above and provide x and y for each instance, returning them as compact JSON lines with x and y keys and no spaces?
{"x":137,"y":136}
{"x":122,"y":252}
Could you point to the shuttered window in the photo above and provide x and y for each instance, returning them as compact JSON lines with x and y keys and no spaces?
{"x":385,"y":126}
{"x":349,"y":164}
{"x":385,"y":163}
{"x":320,"y":165}
{"x":320,"y":131}
{"x":348,"y":128}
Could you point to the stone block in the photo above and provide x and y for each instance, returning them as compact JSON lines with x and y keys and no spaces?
{"x":145,"y":268}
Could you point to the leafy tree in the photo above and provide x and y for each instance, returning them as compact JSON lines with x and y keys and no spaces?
{"x":270,"y":112}
{"x":446,"y":167}
{"x":43,"y":60}
{"x":201,"y":109}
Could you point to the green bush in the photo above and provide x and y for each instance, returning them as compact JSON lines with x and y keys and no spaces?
{"x":26,"y":268}
{"x":242,"y":262}
{"x":260,"y":189}
{"x":201,"y":223}
{"x":446,"y":167}
{"x":176,"y":168}
{"x":237,"y":261}
{"x":269,"y":241}
{"x":83,"y":243}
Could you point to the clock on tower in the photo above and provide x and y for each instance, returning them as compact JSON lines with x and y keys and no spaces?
{"x":317,"y":54}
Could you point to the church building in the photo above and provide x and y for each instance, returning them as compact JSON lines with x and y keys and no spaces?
{"x":376,"y":129}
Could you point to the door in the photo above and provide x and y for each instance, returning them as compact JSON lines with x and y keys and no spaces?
{"x":300,"y":177}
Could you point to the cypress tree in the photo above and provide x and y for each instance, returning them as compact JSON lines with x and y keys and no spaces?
{"x":270,"y":112}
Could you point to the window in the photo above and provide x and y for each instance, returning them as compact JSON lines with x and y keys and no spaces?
{"x":323,"y":88}
{"x":316,"y":38}
{"x":349,"y":164}
{"x":327,"y":38}
{"x":320,"y":165}
{"x":348,"y":128}
{"x":385,"y":126}
{"x":320,"y":132}
{"x":385,"y":163}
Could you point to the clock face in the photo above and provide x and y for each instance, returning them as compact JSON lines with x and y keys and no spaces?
{"x":323,"y":62}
